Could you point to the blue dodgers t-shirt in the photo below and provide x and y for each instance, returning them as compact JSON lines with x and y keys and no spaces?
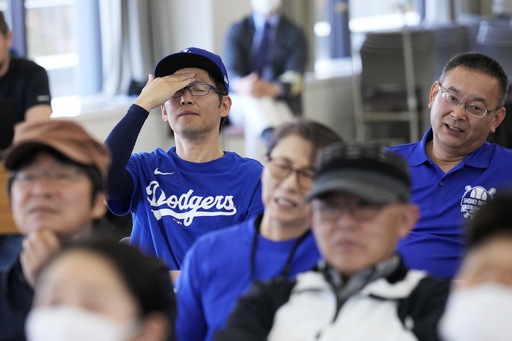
{"x":175,"y":201}
{"x":448,"y":201}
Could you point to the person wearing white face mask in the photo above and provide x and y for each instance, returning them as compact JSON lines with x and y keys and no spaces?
{"x":266,"y":55}
{"x":480,"y":304}
{"x":102,"y":291}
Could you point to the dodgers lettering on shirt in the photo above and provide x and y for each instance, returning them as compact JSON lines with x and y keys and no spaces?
{"x":186,"y":206}
{"x":174,"y":201}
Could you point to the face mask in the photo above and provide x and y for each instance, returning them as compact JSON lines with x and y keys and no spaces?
{"x":479,"y":313}
{"x":65,"y":323}
{"x":266,"y":7}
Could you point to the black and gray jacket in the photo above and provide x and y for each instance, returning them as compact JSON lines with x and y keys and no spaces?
{"x":386,"y":302}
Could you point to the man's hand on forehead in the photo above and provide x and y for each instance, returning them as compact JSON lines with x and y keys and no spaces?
{"x":158,"y":90}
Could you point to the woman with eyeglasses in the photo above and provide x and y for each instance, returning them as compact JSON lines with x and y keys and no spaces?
{"x":220,"y":266}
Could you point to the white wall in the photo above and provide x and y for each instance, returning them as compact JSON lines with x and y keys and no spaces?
{"x":211,"y":19}
{"x":99,"y":116}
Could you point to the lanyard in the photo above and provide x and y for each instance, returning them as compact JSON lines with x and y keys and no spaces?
{"x":288,"y":265}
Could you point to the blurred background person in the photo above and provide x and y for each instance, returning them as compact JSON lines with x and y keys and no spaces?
{"x":57,"y":195}
{"x":24,"y":87}
{"x":220,"y":267}
{"x":24,"y":95}
{"x":102,"y":290}
{"x":266,"y":56}
{"x":480,"y":304}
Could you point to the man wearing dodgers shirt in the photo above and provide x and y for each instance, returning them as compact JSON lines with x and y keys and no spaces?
{"x":175,"y":196}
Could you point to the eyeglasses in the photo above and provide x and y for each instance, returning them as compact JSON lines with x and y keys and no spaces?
{"x":280,"y":169}
{"x":197,"y":90}
{"x":472,"y":108}
{"x":62,"y":176}
{"x":359,"y":210}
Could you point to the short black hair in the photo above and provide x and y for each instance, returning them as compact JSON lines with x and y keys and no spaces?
{"x":490,"y":220}
{"x":4,"y":28}
{"x":479,"y":62}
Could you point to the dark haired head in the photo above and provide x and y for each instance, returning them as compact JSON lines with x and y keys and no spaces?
{"x":479,"y":62}
{"x":4,"y":28}
{"x":490,"y":220}
{"x":147,"y":278}
{"x":318,"y":134}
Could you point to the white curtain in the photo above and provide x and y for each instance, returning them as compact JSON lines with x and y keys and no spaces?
{"x":135,"y":36}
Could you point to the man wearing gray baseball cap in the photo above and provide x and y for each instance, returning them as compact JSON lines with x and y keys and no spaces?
{"x":361,"y":290}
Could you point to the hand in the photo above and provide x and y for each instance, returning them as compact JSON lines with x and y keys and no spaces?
{"x":252,"y":85}
{"x":37,"y":248}
{"x":158,"y":90}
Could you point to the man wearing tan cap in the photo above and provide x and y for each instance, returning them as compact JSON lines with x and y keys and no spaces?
{"x":57,"y":193}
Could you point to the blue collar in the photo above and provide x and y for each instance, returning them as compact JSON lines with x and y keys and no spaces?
{"x":480,"y":158}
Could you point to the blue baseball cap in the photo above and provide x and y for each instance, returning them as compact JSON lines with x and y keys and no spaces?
{"x":193,"y":57}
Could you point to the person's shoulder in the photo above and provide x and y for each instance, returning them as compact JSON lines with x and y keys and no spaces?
{"x":429,"y":286}
{"x":245,"y":22}
{"x":292,"y":28}
{"x":244,"y":161}
{"x":284,"y":20}
{"x":409,"y":151}
{"x":499,"y":149}
{"x":220,"y":239}
{"x":403,"y":148}
{"x":226,"y":233}
{"x":25,"y":65}
{"x":156,"y":153}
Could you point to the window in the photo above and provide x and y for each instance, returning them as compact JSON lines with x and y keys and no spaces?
{"x":51,"y":42}
{"x":340,"y":24}
{"x":382,"y":14}
{"x":63,"y":36}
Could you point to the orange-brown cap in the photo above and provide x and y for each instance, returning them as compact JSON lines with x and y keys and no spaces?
{"x":65,"y":136}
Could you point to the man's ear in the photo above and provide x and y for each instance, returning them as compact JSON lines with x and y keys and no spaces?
{"x":164,"y":113}
{"x":498,"y":118}
{"x":99,"y":206}
{"x":433,"y":93}
{"x":225,"y":106}
{"x":409,"y":218}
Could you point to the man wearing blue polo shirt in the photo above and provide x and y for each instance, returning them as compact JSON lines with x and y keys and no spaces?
{"x":454,"y":169}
